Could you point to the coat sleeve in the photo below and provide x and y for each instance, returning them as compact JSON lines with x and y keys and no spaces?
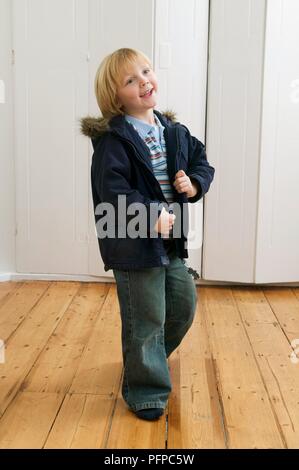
{"x":199,"y":170}
{"x":111,"y":178}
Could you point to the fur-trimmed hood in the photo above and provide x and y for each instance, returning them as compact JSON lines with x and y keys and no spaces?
{"x":95,"y":127}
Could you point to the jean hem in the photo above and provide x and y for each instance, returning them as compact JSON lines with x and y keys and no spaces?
{"x":148,"y":404}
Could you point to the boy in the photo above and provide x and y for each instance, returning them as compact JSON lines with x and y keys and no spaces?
{"x":154,"y":164}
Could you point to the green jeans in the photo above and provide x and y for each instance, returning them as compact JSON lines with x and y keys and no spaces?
{"x":157,"y":307}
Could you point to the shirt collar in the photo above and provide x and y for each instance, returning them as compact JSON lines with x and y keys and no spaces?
{"x":143,"y":127}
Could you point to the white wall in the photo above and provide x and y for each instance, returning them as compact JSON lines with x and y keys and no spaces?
{"x":7,"y":178}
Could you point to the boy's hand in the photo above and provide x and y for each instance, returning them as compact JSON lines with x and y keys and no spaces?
{"x":183,"y":184}
{"x":165,"y":222}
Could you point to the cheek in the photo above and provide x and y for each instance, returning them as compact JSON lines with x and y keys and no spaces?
{"x":123,"y":96}
{"x":129,"y":92}
{"x":119,"y":96}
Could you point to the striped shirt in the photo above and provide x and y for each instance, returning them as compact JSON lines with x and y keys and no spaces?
{"x":153,"y":137}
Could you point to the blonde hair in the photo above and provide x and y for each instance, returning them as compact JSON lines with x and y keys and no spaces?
{"x":108,"y":79}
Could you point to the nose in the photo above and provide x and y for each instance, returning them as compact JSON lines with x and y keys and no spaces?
{"x":143,"y":80}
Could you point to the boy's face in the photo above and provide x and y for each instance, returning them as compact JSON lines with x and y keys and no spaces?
{"x":134,"y":83}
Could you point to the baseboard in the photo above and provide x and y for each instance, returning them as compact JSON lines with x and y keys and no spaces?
{"x":52,"y":277}
{"x":4,"y":277}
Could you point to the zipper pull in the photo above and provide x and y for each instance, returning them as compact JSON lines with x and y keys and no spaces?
{"x":191,"y":271}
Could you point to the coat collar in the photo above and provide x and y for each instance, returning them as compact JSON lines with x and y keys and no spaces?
{"x":95,"y":128}
{"x":120,"y":126}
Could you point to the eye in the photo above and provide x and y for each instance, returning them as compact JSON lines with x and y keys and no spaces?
{"x":146,"y":70}
{"x":129,"y":81}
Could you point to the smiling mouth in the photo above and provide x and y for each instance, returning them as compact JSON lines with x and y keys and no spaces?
{"x":148,"y":93}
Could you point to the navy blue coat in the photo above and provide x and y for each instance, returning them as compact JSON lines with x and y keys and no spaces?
{"x":121,"y":165}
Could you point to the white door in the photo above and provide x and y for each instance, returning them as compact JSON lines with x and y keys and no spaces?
{"x":181,"y":61}
{"x":51,"y":75}
{"x":114,"y":24}
{"x":176,"y":39}
{"x":252,"y":218}
{"x":277,"y":255}
{"x":233,"y":138}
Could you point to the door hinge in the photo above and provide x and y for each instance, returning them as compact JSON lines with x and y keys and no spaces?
{"x":12,"y":57}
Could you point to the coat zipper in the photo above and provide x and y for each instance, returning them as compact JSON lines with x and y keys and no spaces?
{"x":191,"y":271}
{"x":178,"y":150}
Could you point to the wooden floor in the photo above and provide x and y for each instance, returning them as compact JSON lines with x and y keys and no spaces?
{"x":234,"y":384}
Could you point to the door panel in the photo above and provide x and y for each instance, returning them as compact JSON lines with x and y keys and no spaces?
{"x":51,"y":93}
